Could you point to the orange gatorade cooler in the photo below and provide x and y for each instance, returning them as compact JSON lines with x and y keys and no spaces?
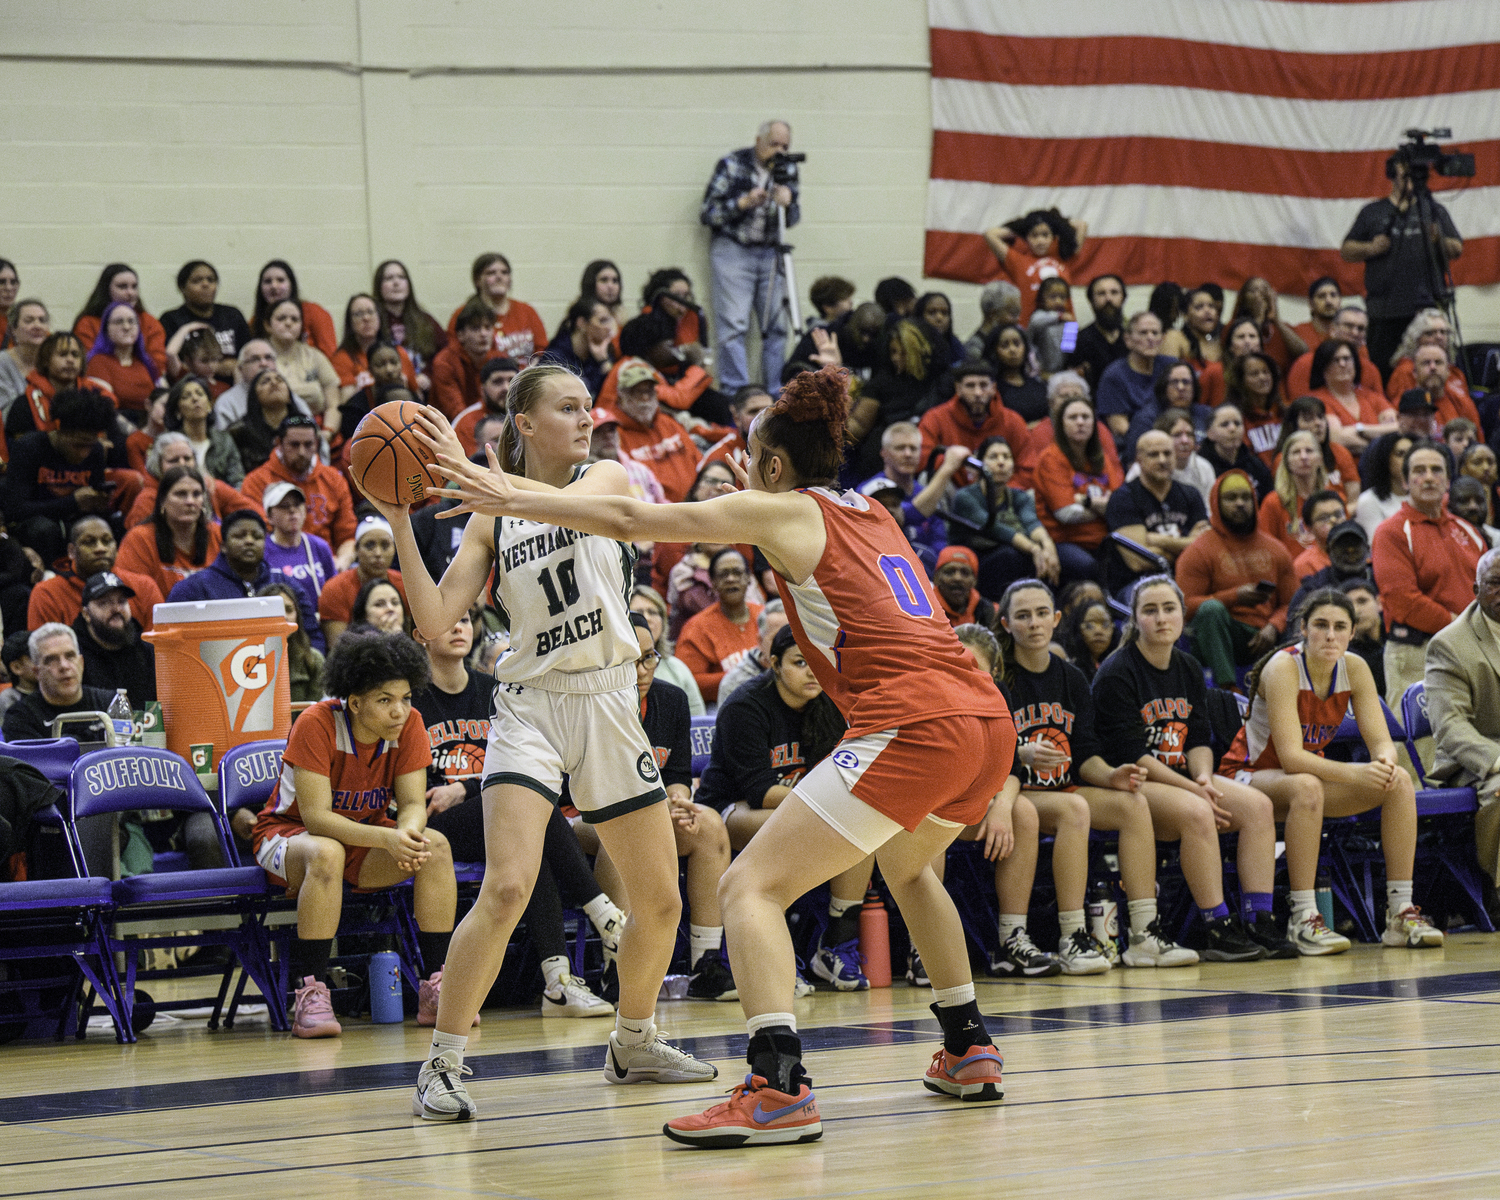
{"x":221,"y":675}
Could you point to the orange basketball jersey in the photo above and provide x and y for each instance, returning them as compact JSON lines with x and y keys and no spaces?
{"x":1320,"y":717}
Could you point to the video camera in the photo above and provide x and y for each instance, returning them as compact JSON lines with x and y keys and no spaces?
{"x":1419,"y":156}
{"x":784,"y":167}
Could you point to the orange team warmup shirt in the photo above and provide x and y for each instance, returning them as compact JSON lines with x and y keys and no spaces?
{"x":330,"y":507}
{"x":131,"y":385}
{"x":680,"y":395}
{"x":354,"y":369}
{"x":60,"y":599}
{"x":1039,"y":437}
{"x":1373,"y":407}
{"x":518,"y":334}
{"x":336,"y":600}
{"x":711,"y":643}
{"x":86,"y":330}
{"x":1027,"y":272}
{"x":138,"y":554}
{"x":1056,"y":484}
{"x":455,"y":380}
{"x":1299,"y":374}
{"x":1456,"y":401}
{"x":221,"y":497}
{"x":665,"y":447}
{"x":361,"y":775}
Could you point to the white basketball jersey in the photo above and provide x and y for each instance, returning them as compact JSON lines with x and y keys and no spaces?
{"x":565,"y":595}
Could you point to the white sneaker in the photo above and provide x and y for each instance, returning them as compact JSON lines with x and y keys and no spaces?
{"x":609,"y":934}
{"x":655,"y":1061}
{"x":440,"y":1094}
{"x":1152,"y":949}
{"x":1080,"y":954}
{"x":570,"y":997}
{"x":803,"y":987}
{"x":1307,"y":932}
{"x":1411,"y":929}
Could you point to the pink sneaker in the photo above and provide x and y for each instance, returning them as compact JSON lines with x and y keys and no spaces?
{"x":312,"y":1011}
{"x":428,"y":992}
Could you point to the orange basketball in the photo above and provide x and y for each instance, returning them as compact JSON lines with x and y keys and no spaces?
{"x":387,"y":460}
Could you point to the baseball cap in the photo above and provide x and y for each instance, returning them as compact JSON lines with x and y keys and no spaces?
{"x":502,"y":363}
{"x":1348,"y":529}
{"x":603,"y":417}
{"x":278,"y":492}
{"x":880,"y":483}
{"x":950,"y":553}
{"x":1414,"y":400}
{"x":101,"y":584}
{"x":634,"y":371}
{"x":369,"y":524}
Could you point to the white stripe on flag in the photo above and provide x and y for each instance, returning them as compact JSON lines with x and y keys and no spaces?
{"x":1196,"y":114}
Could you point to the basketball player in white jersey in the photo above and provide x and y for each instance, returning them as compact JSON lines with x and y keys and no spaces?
{"x":565,"y":703}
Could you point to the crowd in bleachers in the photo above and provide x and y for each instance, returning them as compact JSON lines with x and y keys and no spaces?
{"x":1232,"y":460}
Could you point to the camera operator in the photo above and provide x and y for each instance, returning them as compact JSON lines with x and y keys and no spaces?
{"x":740,"y":205}
{"x":1387,"y":237}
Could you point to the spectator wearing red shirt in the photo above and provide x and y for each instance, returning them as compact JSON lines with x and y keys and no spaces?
{"x":1424,"y":559}
{"x":294,"y":459}
{"x":364,"y":328}
{"x":118,"y":357}
{"x":1062,"y":387}
{"x":180,"y":539}
{"x":1323,"y":299}
{"x":277,"y":282}
{"x":1447,"y":391}
{"x":1074,"y":481}
{"x":722,"y":634}
{"x":648,"y":435}
{"x":118,"y":283}
{"x":455,"y":370}
{"x":1036,"y":247}
{"x":682,"y":382}
{"x":91,"y":549}
{"x":494,"y":386}
{"x":374,"y":551}
{"x":518,"y":331}
{"x":957,"y":571}
{"x":1350,"y":323}
{"x":744,"y":406}
{"x":975,"y":413}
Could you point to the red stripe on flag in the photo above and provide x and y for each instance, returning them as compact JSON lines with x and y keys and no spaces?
{"x":965,"y":256}
{"x":1174,"y":62}
{"x":1175,"y":162}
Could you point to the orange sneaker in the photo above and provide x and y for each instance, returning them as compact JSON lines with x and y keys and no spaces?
{"x":974,"y":1075}
{"x":428,"y":992}
{"x":754,"y":1115}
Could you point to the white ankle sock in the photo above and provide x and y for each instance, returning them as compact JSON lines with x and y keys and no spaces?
{"x":1398,"y":895}
{"x":1303,"y":901}
{"x":1068,"y":922}
{"x":837,"y":907}
{"x":632,"y":1031}
{"x":1142,"y":913}
{"x":702,"y":939}
{"x":450,"y":1044}
{"x":769,"y":1021}
{"x":954,"y":997}
{"x":1010,"y":922}
{"x":599,"y":909}
{"x":555,"y":968}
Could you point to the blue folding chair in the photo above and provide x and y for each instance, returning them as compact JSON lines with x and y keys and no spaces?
{"x":61,"y":918}
{"x":223,"y":906}
{"x":701,"y":739}
{"x":1456,"y":856}
{"x":247,"y":777}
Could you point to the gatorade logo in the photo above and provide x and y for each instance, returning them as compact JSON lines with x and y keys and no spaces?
{"x":243,"y":673}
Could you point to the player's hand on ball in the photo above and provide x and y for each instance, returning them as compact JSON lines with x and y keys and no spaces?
{"x":489,"y":493}
{"x":436,"y":434}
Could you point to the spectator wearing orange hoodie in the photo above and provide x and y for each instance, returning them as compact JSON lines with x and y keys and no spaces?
{"x":455,"y":370}
{"x":649,"y":435}
{"x":294,"y":459}
{"x":1424,"y":559}
{"x":976,"y":412}
{"x":1236,"y":582}
{"x":682,"y":382}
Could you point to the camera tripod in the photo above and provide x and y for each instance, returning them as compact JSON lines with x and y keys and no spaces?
{"x":787,"y":273}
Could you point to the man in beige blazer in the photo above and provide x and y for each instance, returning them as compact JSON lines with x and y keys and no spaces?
{"x":1463,"y":703}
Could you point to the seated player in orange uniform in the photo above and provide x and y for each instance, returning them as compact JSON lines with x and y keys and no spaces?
{"x":347,"y":760}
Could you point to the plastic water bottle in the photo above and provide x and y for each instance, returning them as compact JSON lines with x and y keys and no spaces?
{"x":875,"y":940}
{"x":1323,"y":894}
{"x":385,"y":988}
{"x":122,"y":723}
{"x":1104,"y":919}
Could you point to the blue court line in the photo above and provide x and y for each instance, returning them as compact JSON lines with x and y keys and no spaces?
{"x":293,"y":1084}
{"x":937,"y":1107}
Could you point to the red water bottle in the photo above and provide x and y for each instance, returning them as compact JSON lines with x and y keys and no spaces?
{"x":875,"y":940}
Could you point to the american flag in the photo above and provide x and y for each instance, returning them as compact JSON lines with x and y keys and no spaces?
{"x":1204,"y":140}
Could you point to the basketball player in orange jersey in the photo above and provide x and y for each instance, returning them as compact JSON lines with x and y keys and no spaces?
{"x":1298,"y":698}
{"x":930,"y":740}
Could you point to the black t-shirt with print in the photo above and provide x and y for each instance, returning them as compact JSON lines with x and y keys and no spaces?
{"x":1142,"y":710}
{"x":1054,"y":707}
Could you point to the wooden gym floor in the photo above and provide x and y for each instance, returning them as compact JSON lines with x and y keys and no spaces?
{"x":1373,"y":1074}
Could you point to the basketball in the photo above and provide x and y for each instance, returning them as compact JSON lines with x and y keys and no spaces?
{"x":387,"y":460}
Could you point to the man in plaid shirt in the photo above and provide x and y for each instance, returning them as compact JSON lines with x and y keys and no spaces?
{"x":739,"y":205}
